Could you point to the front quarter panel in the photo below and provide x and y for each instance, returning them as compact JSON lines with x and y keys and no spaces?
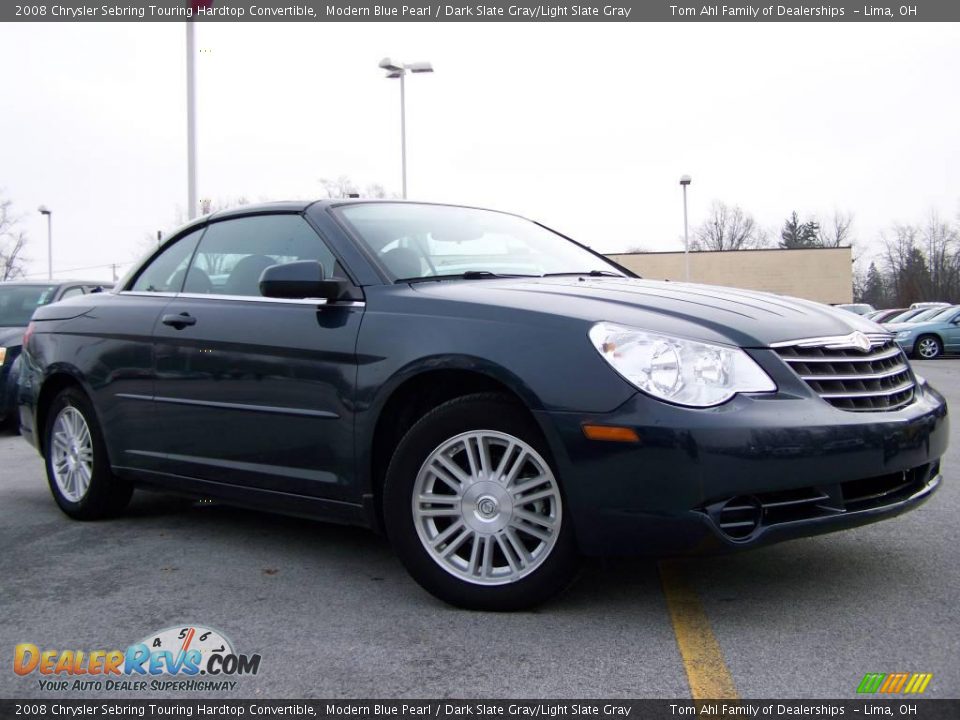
{"x":107,"y":350}
{"x":546,"y":360}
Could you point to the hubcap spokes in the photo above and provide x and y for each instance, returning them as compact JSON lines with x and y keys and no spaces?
{"x":487,"y":507}
{"x":928,"y":348}
{"x":71,"y":454}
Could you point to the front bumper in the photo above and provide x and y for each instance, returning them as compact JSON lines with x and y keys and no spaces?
{"x":907,"y":345}
{"x":793,"y":466}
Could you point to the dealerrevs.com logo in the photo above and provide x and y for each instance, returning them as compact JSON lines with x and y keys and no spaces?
{"x":177,"y":658}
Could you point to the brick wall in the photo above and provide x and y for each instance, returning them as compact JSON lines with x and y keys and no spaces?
{"x":822,"y":274}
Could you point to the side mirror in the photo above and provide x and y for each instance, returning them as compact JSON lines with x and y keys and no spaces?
{"x":300,"y":280}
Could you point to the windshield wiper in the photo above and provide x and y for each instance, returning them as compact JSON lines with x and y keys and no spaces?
{"x":468,"y":275}
{"x":590,"y":273}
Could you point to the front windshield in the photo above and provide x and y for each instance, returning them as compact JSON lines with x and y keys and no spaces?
{"x":426,"y":241}
{"x":17,"y":302}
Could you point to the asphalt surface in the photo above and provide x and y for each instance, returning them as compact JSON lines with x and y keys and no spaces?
{"x":334,"y":615}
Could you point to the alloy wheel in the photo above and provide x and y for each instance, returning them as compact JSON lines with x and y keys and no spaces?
{"x":71,"y":454}
{"x":487,"y":507}
{"x":928,"y":348}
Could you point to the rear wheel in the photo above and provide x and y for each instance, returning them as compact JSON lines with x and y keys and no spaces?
{"x":928,"y":347}
{"x":474,"y":507}
{"x":78,"y":470}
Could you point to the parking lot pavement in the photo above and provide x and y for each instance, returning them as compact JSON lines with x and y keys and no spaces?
{"x":333,"y":614}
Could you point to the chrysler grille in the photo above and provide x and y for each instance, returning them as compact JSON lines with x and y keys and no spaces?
{"x":858,"y":372}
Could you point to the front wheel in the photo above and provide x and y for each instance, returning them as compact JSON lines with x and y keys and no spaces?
{"x":474,"y":508}
{"x":928,"y":347}
{"x":78,"y":470}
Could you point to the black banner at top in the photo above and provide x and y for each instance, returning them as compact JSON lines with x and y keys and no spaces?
{"x":486,"y":11}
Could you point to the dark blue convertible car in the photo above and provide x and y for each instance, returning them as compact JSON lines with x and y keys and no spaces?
{"x":496,"y":397}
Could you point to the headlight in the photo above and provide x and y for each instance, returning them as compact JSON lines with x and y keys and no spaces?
{"x":902,"y":335}
{"x":680,"y":371}
{"x":3,"y":355}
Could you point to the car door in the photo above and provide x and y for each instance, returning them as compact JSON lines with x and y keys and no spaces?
{"x":115,"y":344}
{"x":951,"y":333}
{"x":256,"y":391}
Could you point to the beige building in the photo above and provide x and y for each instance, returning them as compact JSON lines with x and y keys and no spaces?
{"x":822,"y":274}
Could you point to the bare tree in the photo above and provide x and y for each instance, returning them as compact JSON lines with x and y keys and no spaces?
{"x":344,"y":187}
{"x":941,"y":245}
{"x":836,"y":231}
{"x":728,"y":228}
{"x":340,"y":187}
{"x":12,"y":243}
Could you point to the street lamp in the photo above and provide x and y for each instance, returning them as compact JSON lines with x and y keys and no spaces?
{"x":399,"y":70}
{"x":684,"y":181}
{"x":44,"y":210}
{"x":191,"y":122}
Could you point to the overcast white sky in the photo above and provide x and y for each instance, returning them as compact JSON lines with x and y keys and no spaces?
{"x":586,"y":127}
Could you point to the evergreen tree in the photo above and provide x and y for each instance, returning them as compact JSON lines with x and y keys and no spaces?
{"x":796,"y":234}
{"x":874,"y":289}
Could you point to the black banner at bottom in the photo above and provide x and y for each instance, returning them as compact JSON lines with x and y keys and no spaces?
{"x":913,"y":708}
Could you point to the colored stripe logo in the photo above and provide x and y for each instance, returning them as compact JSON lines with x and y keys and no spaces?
{"x":894,"y":683}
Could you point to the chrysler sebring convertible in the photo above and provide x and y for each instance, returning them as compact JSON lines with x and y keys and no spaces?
{"x":495,"y":397}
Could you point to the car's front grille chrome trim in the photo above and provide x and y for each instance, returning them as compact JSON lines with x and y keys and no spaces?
{"x":860,"y":372}
{"x":903,"y":387}
{"x":888,"y":353}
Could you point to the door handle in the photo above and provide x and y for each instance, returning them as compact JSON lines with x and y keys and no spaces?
{"x":179,"y":321}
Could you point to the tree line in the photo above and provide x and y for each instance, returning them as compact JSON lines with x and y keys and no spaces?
{"x":730,"y":227}
{"x":916,"y":262}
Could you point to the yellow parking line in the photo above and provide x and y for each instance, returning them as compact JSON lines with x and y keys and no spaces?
{"x":707,"y":672}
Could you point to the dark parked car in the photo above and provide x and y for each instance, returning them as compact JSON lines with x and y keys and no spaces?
{"x":496,"y":397}
{"x":18,"y":300}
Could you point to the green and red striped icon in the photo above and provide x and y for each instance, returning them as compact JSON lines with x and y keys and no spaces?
{"x":893,"y":683}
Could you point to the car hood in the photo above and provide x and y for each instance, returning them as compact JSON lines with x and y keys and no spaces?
{"x":11,"y":336}
{"x":707,"y":312}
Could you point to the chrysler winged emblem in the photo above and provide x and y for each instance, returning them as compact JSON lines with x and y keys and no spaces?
{"x":860,"y":341}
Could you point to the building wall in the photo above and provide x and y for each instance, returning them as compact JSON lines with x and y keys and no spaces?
{"x":822,"y":274}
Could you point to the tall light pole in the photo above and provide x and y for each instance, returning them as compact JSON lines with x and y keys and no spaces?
{"x":44,"y":210}
{"x":399,"y":70}
{"x":191,"y":124}
{"x":684,"y":181}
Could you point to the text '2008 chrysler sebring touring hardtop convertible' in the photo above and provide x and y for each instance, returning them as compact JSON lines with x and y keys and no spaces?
{"x":496,"y":397}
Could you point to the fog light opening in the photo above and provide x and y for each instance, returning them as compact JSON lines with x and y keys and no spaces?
{"x":739,"y":517}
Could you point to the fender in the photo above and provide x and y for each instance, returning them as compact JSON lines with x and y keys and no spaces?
{"x":369,"y":414}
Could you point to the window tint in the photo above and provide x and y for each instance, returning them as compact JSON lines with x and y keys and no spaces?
{"x":71,"y":292}
{"x":234,"y":253}
{"x":167,"y":271}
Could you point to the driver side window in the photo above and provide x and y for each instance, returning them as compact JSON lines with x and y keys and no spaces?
{"x":234,"y":253}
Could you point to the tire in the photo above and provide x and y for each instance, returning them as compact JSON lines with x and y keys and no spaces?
{"x":78,"y":469}
{"x":496,"y":559}
{"x":928,"y":347}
